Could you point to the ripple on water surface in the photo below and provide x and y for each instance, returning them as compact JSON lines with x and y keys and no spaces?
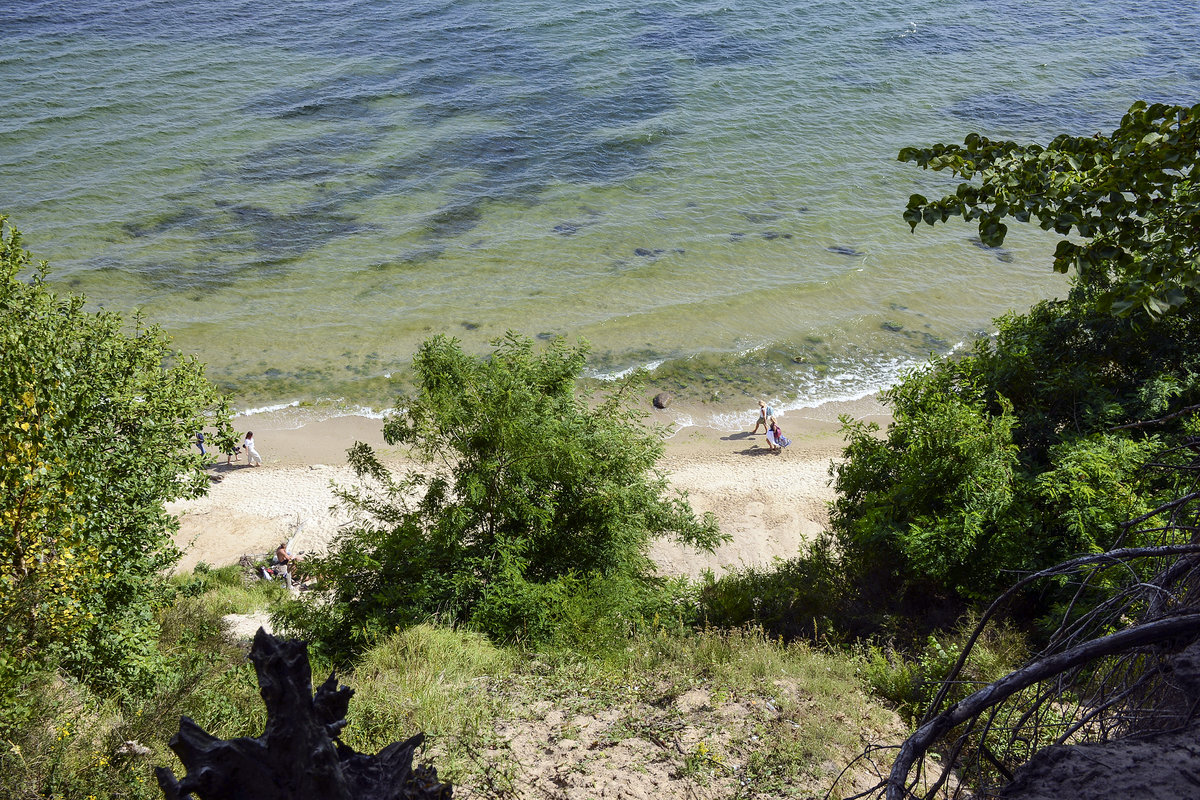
{"x":301,"y":192}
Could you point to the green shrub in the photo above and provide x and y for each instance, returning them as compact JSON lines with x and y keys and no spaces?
{"x":912,"y":679}
{"x":806,"y":596}
{"x":95,"y":437}
{"x":71,"y":739}
{"x":535,"y":517}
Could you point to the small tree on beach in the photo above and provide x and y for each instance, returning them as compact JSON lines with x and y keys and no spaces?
{"x":535,"y":505}
{"x":96,"y":424}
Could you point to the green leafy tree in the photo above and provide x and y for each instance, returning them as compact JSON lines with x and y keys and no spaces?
{"x":96,"y":424}
{"x":534,"y":505}
{"x":1034,"y":446}
{"x":1131,"y":198}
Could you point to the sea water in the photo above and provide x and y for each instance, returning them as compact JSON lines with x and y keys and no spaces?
{"x":302,"y":192}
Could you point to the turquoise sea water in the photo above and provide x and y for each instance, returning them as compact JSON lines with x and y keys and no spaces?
{"x":300,"y":192}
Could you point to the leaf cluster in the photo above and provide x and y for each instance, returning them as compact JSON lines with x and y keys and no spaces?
{"x":1129,"y":200}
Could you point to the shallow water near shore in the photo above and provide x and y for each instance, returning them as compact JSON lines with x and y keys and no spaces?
{"x":301,"y":192}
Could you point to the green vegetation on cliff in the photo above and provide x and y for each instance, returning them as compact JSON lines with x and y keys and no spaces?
{"x":1040,"y":442}
{"x":96,"y":420}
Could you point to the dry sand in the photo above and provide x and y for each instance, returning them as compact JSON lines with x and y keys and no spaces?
{"x":769,"y":504}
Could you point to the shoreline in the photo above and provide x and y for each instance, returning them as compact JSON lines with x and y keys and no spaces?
{"x":769,"y":504}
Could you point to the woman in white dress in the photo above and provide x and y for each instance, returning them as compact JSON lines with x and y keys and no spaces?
{"x":772,"y":445}
{"x":252,"y":456}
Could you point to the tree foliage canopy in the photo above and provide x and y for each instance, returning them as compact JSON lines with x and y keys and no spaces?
{"x":1131,"y":198}
{"x":1039,"y":443}
{"x":95,"y":429}
{"x":533,"y":500}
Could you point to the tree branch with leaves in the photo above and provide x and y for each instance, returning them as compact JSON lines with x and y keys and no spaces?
{"x":1130,"y":200}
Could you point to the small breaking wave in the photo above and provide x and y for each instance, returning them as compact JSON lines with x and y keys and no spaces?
{"x":250,"y":412}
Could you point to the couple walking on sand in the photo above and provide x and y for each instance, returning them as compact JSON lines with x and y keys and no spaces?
{"x":253,"y":459}
{"x":776,"y":441}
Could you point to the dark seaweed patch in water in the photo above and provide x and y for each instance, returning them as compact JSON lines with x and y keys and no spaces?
{"x":703,"y":40}
{"x":104,"y":264}
{"x":760,"y":218}
{"x":934,"y":343}
{"x":451,"y":61}
{"x":843,"y":250}
{"x":312,"y":170}
{"x":342,"y":97}
{"x":442,"y":61}
{"x":1008,"y":112}
{"x":647,"y":96}
{"x":445,"y":96}
{"x":505,"y":156}
{"x":205,"y":276}
{"x":422,"y":255}
{"x":610,"y":161}
{"x":182,"y":217}
{"x":307,"y":159}
{"x":292,"y":234}
{"x":454,"y":219}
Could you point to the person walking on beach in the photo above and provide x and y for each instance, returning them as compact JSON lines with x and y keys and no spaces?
{"x":253,"y":459}
{"x":765,"y":412}
{"x":776,"y":441}
{"x":200,"y":442}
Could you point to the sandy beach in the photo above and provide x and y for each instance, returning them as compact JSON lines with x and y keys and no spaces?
{"x":768,"y":503}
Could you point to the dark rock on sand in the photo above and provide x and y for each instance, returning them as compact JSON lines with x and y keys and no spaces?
{"x":662,"y":400}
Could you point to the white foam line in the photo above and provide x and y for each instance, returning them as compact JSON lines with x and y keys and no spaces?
{"x":624,"y":373}
{"x":249,"y":412}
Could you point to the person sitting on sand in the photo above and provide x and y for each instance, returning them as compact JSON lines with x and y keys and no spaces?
{"x":253,"y":459}
{"x":284,"y":556}
{"x":765,"y":412}
{"x":286,"y":563}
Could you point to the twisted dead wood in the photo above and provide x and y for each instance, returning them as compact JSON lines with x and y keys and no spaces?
{"x":299,"y":756}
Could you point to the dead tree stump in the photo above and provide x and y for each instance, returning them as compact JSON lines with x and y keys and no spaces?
{"x":299,"y":755}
